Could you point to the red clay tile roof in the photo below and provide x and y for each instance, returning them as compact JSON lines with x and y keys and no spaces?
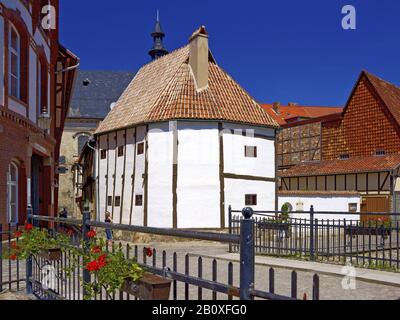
{"x":293,"y":111}
{"x":165,"y":90}
{"x":355,"y":165}
{"x":389,"y":93}
{"x":317,"y":193}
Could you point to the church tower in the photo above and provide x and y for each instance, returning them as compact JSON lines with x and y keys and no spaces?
{"x":158,"y":35}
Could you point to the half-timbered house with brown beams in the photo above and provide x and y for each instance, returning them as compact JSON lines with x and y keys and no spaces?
{"x":183,"y":143}
{"x":358,"y":151}
{"x":36,"y":79}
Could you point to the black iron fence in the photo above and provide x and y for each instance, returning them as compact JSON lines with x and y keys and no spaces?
{"x":369,"y":240}
{"x":12,"y":272}
{"x":193,"y":277}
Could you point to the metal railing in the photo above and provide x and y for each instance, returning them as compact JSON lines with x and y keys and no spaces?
{"x":365,"y":240}
{"x":209,"y":279}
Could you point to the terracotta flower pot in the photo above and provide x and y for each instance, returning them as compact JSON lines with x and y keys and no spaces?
{"x":51,"y":254}
{"x":150,"y":287}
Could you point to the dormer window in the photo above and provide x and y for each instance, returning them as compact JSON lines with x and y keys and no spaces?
{"x":380,"y":153}
{"x":14,"y":63}
{"x":344,"y":156}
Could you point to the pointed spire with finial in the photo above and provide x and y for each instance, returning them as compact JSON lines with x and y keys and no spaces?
{"x":158,"y":35}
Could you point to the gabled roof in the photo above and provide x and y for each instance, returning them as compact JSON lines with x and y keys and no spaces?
{"x":388,"y":92}
{"x":286,"y":113}
{"x":353,"y":165}
{"x":95,"y":91}
{"x":165,"y":90}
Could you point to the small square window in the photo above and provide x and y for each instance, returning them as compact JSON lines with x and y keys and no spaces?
{"x":250,"y":152}
{"x":251,"y":199}
{"x":121,"y":151}
{"x":140,"y":148}
{"x":353,"y":207}
{"x":117,"y":201}
{"x":139,"y":200}
{"x":103,"y":154}
{"x":109,"y":201}
{"x":380,"y":153}
{"x":344,"y":156}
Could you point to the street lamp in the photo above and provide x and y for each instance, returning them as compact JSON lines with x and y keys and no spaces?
{"x":44,"y":122}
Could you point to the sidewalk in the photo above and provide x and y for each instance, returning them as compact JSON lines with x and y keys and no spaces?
{"x":372,"y":276}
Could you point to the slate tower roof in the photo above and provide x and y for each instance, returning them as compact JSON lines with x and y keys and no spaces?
{"x":95,"y":91}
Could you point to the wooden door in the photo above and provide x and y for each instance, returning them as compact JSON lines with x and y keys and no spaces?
{"x":376,"y":205}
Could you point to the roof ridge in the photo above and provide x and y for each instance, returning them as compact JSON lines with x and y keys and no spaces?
{"x":171,"y":80}
{"x":369,"y":74}
{"x":269,"y":117}
{"x":163,"y":57}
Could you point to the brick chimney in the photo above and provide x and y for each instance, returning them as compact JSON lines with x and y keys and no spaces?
{"x":198,"y":58}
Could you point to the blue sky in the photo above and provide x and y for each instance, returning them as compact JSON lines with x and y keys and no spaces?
{"x":286,"y":50}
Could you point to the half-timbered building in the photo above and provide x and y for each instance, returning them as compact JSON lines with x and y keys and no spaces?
{"x":357,"y":150}
{"x":183,"y":143}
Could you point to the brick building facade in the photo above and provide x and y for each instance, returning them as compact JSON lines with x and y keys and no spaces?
{"x":359,"y":148}
{"x":36,"y":76}
{"x":365,"y":127}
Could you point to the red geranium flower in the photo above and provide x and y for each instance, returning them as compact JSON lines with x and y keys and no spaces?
{"x":102,"y":261}
{"x":96,"y":249}
{"x":149,"y":252}
{"x":93,"y":266}
{"x":13,"y":257}
{"x":70,"y":232}
{"x":91,"y":234}
{"x":18,"y":234}
{"x":28,"y":227}
{"x":14,"y":246}
{"x":96,"y":265}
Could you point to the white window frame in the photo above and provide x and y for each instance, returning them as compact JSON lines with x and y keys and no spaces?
{"x":11,"y":184}
{"x":17,"y":53}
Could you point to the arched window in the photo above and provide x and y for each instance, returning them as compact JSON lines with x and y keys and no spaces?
{"x":14,"y":66}
{"x":82,"y":140}
{"x":12,"y":193}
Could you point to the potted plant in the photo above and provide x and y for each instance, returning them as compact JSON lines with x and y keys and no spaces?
{"x":112,"y":271}
{"x":37,"y":242}
{"x":373,"y":226}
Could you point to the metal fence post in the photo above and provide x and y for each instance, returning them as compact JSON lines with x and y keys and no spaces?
{"x":312,"y":240}
{"x":230,"y":226}
{"x":85,"y":229}
{"x":28,"y":268}
{"x":247,"y":256}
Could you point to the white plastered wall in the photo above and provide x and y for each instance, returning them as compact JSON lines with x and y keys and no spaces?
{"x":101,"y":202}
{"x":322,"y":203}
{"x":118,"y":175}
{"x":234,"y":147}
{"x":129,"y":168}
{"x":111,"y":169}
{"x":236,"y":190}
{"x":138,"y":211}
{"x":198,"y":175}
{"x":160,"y":158}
